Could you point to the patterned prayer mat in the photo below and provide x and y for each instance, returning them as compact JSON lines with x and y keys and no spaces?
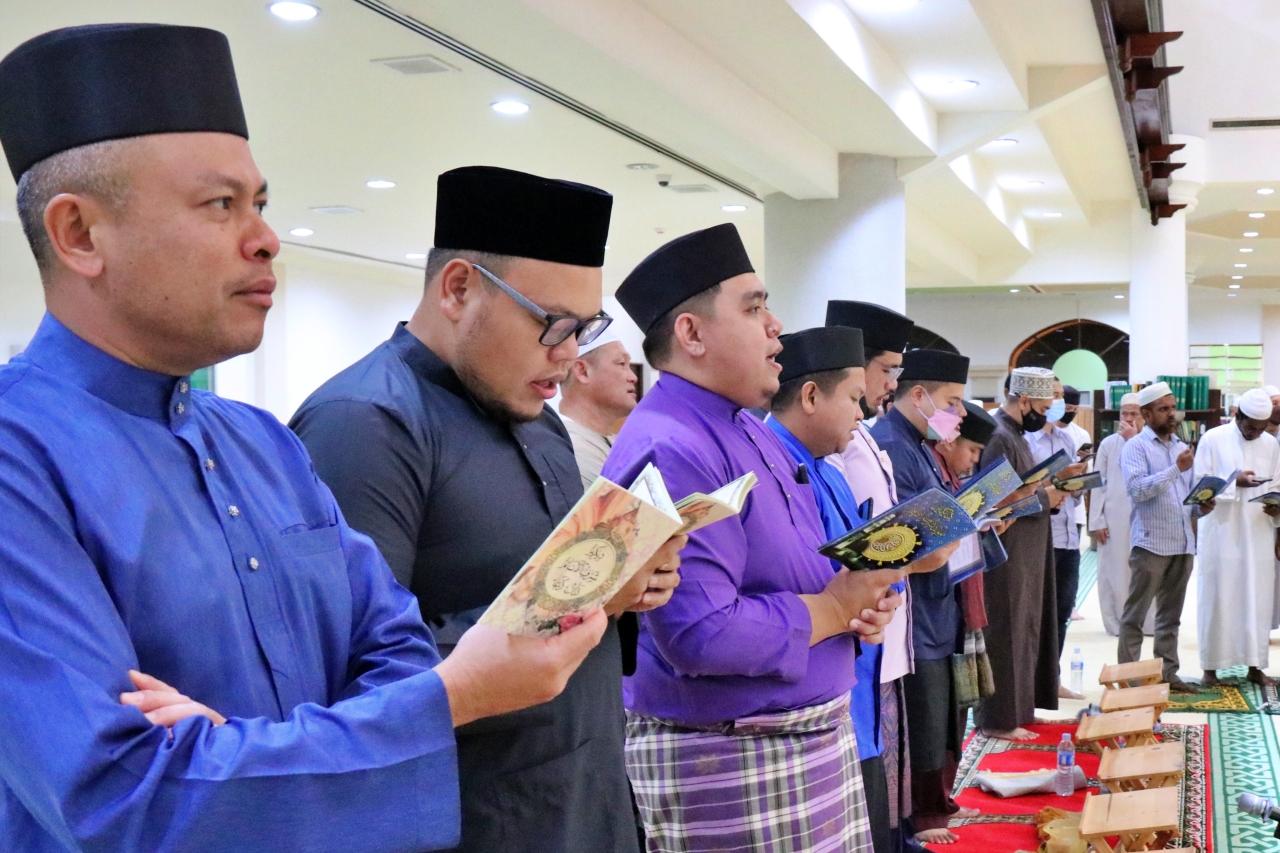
{"x":1233,"y":697}
{"x":1245,"y":755}
{"x":1009,"y":824}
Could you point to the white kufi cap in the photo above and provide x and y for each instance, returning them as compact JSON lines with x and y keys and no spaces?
{"x":1255,"y":403}
{"x":1151,"y":393}
{"x":1131,"y":399}
{"x":606,"y":337}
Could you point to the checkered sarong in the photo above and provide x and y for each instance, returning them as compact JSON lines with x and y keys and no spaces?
{"x":782,"y":783}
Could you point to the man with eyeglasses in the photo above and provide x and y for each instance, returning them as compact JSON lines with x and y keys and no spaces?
{"x":440,"y":446}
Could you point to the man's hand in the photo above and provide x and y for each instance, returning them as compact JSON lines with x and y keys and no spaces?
{"x":1207,"y":506}
{"x":1270,"y":510}
{"x":1127,"y":430}
{"x":653,"y":585}
{"x":1055,"y":497}
{"x":1075,"y":469}
{"x":870,"y":628}
{"x":1246,"y":480}
{"x":934,"y":561}
{"x":1018,"y":494}
{"x":1186,"y":459}
{"x":492,"y":672}
{"x":851,"y":602}
{"x":1101,"y":536}
{"x":162,"y":704}
{"x":1001,"y":526}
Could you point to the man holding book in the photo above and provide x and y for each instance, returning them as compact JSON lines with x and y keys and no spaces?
{"x":756,"y":649}
{"x":1238,"y":541}
{"x":440,"y":446}
{"x":928,"y":407}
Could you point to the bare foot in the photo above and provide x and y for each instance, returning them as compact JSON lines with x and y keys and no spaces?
{"x":1018,"y":733}
{"x":1076,"y":616}
{"x":1210,"y":679}
{"x":1066,"y":693}
{"x":966,"y":814}
{"x":937,"y":836}
{"x":1257,"y":676}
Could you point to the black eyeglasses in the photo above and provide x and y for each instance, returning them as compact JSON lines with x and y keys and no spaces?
{"x":558,"y":326}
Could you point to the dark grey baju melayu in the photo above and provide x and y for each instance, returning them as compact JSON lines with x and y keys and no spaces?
{"x":1022,"y":634}
{"x":457,"y":501}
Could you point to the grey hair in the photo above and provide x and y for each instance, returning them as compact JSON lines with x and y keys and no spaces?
{"x":438,"y":259}
{"x":99,"y":170}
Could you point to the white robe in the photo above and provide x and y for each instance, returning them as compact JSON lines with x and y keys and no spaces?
{"x":1109,"y":507}
{"x":1236,"y":553}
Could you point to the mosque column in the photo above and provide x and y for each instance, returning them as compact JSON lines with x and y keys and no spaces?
{"x":1158,"y":282}
{"x":850,"y":247}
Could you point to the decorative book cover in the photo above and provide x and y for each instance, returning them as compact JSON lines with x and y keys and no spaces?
{"x":1269,"y":499}
{"x":906,"y":533}
{"x":988,"y":487}
{"x":1083,"y":483}
{"x":1209,"y":488}
{"x":1047,"y":468}
{"x":1027,"y":506}
{"x":606,"y":538}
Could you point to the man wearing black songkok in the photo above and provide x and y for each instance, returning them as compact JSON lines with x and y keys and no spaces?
{"x":440,"y":446}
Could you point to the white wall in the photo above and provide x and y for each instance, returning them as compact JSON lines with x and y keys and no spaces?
{"x":21,"y":295}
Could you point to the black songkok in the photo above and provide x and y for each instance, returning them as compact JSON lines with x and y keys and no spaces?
{"x":80,"y":85}
{"x":882,"y":329}
{"x":487,"y":209}
{"x":977,"y":426}
{"x":933,"y":365}
{"x":1070,"y":395}
{"x":682,"y":269}
{"x":816,"y":350}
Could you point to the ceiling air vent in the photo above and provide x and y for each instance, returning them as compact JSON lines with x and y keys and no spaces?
{"x":426,"y":64}
{"x":1243,"y":123}
{"x":693,"y":188}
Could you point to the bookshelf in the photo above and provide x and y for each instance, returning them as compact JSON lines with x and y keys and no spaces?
{"x":1196,"y":421}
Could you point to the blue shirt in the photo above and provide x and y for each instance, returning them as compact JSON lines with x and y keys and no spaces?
{"x":840,"y":514}
{"x":1066,"y":534}
{"x":935,"y":612}
{"x":144,"y":525}
{"x":1158,"y":521}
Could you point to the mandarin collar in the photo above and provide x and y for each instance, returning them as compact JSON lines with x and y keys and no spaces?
{"x":903,"y":425}
{"x":426,"y":363}
{"x":1016,"y":426}
{"x":698,"y":397}
{"x":60,"y":352}
{"x":789,"y":439}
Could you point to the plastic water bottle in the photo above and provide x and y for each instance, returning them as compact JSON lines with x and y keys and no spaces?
{"x":1077,"y":672}
{"x":1064,"y":784}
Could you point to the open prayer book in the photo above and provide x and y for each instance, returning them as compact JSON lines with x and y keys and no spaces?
{"x":1027,"y":506}
{"x":604,"y":540}
{"x":907,"y":532}
{"x":1047,"y":468}
{"x":1209,"y":488}
{"x":988,"y":487}
{"x":1269,"y":499}
{"x":1082,"y":483}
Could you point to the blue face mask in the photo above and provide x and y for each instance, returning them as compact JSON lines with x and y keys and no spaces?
{"x":1056,"y":411}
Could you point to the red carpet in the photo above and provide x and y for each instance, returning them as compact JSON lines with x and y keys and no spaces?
{"x":1006,"y":825}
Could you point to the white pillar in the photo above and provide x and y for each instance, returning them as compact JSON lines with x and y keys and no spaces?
{"x":1158,"y":283}
{"x":850,"y":247}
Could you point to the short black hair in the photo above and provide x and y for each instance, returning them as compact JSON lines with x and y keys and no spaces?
{"x":789,"y":392}
{"x":438,"y":259}
{"x":928,"y":385}
{"x":872,"y":352}
{"x":661,"y":335}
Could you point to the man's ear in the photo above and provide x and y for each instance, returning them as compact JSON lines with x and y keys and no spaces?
{"x":809,"y":397}
{"x":688,"y":333}
{"x":579,"y":370}
{"x":458,"y":284}
{"x":69,"y":220}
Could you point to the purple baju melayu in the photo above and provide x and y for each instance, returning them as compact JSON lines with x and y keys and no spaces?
{"x":733,"y":644}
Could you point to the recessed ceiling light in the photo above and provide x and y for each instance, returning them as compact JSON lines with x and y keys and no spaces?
{"x":1234,"y":286}
{"x":377,"y":184}
{"x":1033,"y":183}
{"x":293,"y":11}
{"x":1052,"y":215}
{"x":960,"y":85}
{"x":1119,"y":296}
{"x":1003,"y":142}
{"x":885,"y":5}
{"x":1246,"y":250}
{"x":301,"y":232}
{"x":1241,"y":266}
{"x":1237,"y":277}
{"x":1013,"y":290}
{"x":337,"y":210}
{"x":1265,"y":191}
{"x":642,"y":167}
{"x":1251,"y":233}
{"x":416,"y":256}
{"x":510,"y":108}
{"x":1257,"y":216}
{"x":1233,"y":294}
{"x":733,"y":208}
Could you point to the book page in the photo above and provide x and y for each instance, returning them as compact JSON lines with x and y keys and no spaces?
{"x":698,"y":510}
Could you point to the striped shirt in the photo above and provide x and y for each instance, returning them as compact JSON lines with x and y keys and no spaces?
{"x":1158,"y":521}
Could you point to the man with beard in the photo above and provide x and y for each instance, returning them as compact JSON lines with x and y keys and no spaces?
{"x":1022,"y":608}
{"x":1162,"y":540}
{"x":738,"y":728}
{"x":440,"y":446}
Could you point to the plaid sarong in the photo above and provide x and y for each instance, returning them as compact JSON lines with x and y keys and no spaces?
{"x":783,"y":783}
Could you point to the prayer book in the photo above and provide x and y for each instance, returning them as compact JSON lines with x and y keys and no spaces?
{"x":988,"y":487}
{"x":1083,"y":483}
{"x":905,"y":533}
{"x":1047,"y":468}
{"x":605,"y":539}
{"x":1209,"y":488}
{"x":1269,"y":499}
{"x":1027,"y":506}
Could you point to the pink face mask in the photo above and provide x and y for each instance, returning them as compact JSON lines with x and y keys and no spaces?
{"x":944,"y":424}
